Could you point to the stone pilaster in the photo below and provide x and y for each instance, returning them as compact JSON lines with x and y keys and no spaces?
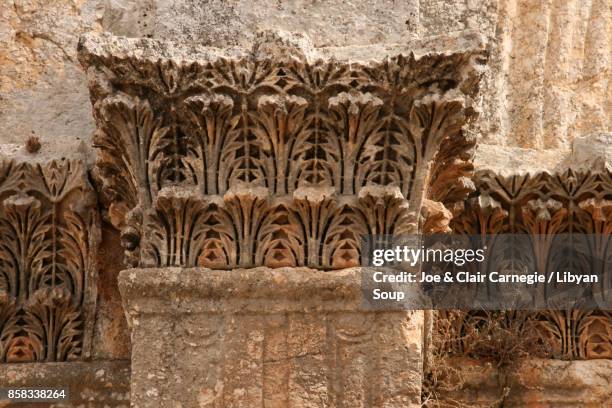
{"x":283,"y":156}
{"x":286,"y":337}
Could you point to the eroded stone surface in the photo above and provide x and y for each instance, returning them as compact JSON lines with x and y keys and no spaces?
{"x":557,"y":61}
{"x":111,"y":338}
{"x":41,"y":86}
{"x":283,"y":337}
{"x":100,"y":384}
{"x":533,"y":383}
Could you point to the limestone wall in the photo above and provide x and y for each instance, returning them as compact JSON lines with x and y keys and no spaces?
{"x":550,"y":60}
{"x":550,"y":66}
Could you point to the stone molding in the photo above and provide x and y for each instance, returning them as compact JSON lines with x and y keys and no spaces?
{"x":273,"y":337}
{"x":50,"y":231}
{"x":281,"y":156}
{"x":532,"y":382}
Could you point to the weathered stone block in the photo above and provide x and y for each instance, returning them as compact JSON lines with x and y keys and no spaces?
{"x":531,"y":383}
{"x":284,"y":337}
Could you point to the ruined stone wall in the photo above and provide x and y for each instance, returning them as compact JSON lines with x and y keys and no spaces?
{"x":550,"y":66}
{"x":544,"y":105}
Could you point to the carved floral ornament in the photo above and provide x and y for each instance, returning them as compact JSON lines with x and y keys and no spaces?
{"x":241,"y":160}
{"x":546,"y":206}
{"x":49,"y":227}
{"x":542,"y":205}
{"x":228,"y":160}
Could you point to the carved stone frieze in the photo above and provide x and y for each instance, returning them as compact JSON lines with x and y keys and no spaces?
{"x":543,"y":205}
{"x":49,"y":229}
{"x":229,"y":159}
{"x":248,"y":228}
{"x":577,"y":201}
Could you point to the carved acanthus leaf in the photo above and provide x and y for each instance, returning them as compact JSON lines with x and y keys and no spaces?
{"x":544,"y":205}
{"x":225,"y":124}
{"x":49,"y":227}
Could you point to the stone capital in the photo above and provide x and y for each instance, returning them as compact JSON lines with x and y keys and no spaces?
{"x":281,"y":155}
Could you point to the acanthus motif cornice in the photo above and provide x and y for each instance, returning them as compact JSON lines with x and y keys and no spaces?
{"x":241,"y":160}
{"x":547,"y":206}
{"x":570,"y":201}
